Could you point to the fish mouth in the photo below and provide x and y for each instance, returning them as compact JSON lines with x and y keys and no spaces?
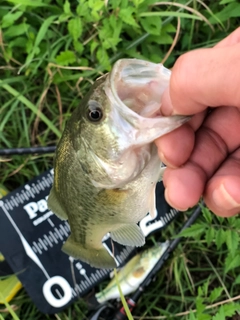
{"x":138,"y":85}
{"x":136,"y":89}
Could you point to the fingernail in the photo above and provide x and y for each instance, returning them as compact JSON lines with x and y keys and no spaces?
{"x":162,"y":157}
{"x":165,"y":161}
{"x":167,"y":107}
{"x":166,"y":194}
{"x":223,"y":200}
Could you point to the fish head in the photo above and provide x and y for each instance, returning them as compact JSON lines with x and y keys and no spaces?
{"x":118,"y":120}
{"x":98,"y":138}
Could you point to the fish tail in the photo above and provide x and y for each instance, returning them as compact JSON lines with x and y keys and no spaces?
{"x":98,"y":258}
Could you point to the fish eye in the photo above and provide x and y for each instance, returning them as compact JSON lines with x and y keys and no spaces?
{"x":94,"y":111}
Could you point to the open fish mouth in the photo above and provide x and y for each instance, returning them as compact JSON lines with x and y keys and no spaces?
{"x":139,"y":85}
{"x":135,"y":88}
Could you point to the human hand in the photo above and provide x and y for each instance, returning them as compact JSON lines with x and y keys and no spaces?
{"x":203,"y":156}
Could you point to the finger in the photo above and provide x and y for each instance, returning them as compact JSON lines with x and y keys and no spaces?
{"x":183,"y":186}
{"x":230,"y":40}
{"x":214,"y":141}
{"x":175,"y":147}
{"x":202,"y":78}
{"x":222,"y":194}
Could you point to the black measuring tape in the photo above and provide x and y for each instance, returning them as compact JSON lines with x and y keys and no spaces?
{"x":31,"y":238}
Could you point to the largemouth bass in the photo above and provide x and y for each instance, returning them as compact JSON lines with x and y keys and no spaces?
{"x":106,"y":164}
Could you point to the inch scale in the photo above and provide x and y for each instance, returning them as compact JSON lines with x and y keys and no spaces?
{"x":31,"y":238}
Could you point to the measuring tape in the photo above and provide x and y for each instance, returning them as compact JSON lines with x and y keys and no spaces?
{"x":9,"y":283}
{"x":31,"y":238}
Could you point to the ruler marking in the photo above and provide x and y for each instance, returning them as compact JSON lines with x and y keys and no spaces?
{"x":74,"y":293}
{"x":36,"y":247}
{"x":62,"y":227}
{"x":50,"y":222}
{"x":14,"y":201}
{"x":52,"y":235}
{"x":9,"y":205}
{"x":25,"y":196}
{"x":34,"y":186}
{"x":19,"y":198}
{"x":41,"y":185}
{"x":42,"y":244}
{"x":47,"y":239}
{"x":80,"y":289}
{"x":67,"y":228}
{"x":93,"y":276}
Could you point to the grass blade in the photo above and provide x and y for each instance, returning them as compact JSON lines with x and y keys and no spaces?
{"x":124,"y":302}
{"x":40,"y":36}
{"x":31,"y":106}
{"x":10,"y":310}
{"x":170,"y":14}
{"x":29,"y":3}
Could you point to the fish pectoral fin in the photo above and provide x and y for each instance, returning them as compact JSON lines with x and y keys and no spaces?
{"x":129,"y":235}
{"x":98,"y":258}
{"x":54,"y":205}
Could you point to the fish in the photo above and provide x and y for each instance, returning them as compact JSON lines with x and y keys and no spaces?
{"x":106,"y":164}
{"x":133,"y":273}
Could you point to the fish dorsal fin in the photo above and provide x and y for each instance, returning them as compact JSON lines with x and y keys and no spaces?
{"x":54,"y":205}
{"x":129,"y":235}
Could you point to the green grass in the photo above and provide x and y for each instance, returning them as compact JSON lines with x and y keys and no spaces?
{"x":50,"y":53}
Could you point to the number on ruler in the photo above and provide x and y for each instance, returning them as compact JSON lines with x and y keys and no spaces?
{"x":51,"y":299}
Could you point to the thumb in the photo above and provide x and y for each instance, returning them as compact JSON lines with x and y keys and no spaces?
{"x":203,"y":78}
